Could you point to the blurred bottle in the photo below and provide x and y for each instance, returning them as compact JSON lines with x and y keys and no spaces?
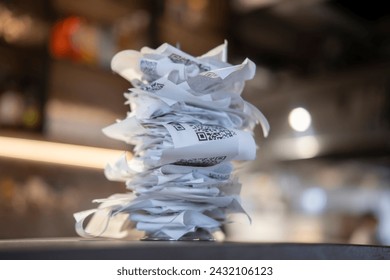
{"x":11,"y":106}
{"x":19,"y":107}
{"x":77,"y":39}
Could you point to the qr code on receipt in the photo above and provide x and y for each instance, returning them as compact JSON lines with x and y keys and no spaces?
{"x":211,"y":132}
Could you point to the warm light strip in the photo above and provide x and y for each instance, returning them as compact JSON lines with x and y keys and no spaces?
{"x":56,"y":153}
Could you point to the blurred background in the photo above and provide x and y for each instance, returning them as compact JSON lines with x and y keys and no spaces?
{"x":322,"y":80}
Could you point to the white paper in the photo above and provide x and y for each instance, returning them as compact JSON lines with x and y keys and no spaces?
{"x":187,"y":122}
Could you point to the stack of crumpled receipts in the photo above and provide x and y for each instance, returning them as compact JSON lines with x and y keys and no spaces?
{"x":187,"y":122}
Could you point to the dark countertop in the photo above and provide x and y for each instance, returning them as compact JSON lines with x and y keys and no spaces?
{"x":77,"y":249}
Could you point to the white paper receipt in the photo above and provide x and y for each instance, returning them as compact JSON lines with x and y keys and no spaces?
{"x":186,"y":123}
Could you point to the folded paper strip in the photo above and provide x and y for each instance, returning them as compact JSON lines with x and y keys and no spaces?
{"x":187,"y":122}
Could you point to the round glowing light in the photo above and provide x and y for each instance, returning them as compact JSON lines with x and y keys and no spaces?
{"x":299,"y":119}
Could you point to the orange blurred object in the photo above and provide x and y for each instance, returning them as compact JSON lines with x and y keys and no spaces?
{"x":61,"y":45}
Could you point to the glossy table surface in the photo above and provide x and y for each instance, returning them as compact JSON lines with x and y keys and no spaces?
{"x":76,"y":248}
